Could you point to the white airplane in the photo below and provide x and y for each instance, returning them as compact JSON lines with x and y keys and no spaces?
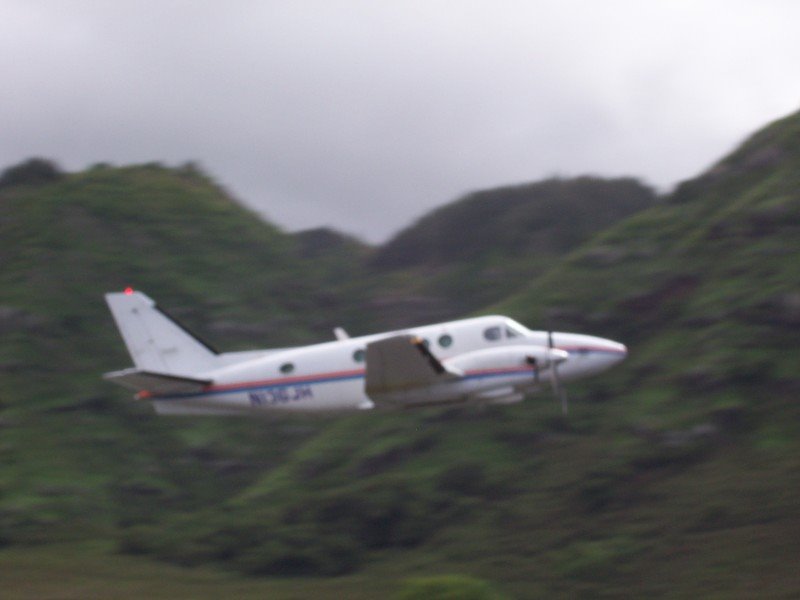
{"x":490,"y":359}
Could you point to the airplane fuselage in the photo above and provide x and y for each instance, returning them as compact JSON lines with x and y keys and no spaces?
{"x":497,"y":359}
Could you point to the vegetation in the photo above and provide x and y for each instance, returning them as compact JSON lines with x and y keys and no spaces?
{"x":35,"y":171}
{"x":448,"y":587}
{"x":545,"y":218}
{"x":674,"y":475}
{"x":487,"y":245}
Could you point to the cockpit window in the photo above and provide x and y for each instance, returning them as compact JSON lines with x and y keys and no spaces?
{"x":514,"y":329}
{"x":493,"y":333}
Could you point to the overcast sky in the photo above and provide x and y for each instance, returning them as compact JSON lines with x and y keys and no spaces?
{"x":364,"y":115}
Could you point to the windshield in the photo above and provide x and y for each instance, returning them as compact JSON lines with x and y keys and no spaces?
{"x":514,"y":329}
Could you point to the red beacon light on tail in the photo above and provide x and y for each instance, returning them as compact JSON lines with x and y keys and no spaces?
{"x":128,"y":291}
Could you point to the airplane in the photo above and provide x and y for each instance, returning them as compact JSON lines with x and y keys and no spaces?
{"x":488,"y":359}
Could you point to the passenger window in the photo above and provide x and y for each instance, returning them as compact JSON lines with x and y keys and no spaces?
{"x":287,"y":368}
{"x":493,"y":333}
{"x":359,"y":355}
{"x":445,"y":341}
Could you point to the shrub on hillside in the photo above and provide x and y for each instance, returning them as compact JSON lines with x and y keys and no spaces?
{"x":34,"y":171}
{"x":448,"y":587}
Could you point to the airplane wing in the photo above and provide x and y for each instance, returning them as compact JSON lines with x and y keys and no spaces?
{"x":158,"y":384}
{"x":401,"y":363}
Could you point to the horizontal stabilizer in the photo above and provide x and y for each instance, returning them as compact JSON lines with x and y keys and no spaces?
{"x":403,"y":362}
{"x":157,"y":384}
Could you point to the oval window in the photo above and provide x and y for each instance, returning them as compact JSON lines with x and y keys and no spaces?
{"x":493,"y":333}
{"x":287,"y":368}
{"x":359,"y":355}
{"x":445,"y":341}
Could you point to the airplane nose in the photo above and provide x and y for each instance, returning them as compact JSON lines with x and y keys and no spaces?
{"x":609,"y":353}
{"x":587,"y":355}
{"x":619,"y":351}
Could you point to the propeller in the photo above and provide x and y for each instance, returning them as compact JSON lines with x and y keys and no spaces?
{"x":552,"y":359}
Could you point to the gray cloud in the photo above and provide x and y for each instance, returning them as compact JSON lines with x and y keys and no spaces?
{"x":364,"y":115}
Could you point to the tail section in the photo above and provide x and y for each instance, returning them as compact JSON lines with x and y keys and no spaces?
{"x":156,"y":384}
{"x":156,"y":342}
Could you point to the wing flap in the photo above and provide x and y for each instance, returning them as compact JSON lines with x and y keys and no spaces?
{"x":157,"y":384}
{"x":402,"y":363}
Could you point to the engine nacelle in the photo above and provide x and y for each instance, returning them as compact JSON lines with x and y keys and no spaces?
{"x":492,"y":375}
{"x":502,"y":358}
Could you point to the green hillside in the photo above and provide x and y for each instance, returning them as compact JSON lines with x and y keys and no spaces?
{"x":705,"y":290}
{"x":675,"y":475}
{"x":485,"y":246}
{"x":704,"y":286}
{"x":542,"y":218}
{"x":78,"y":458}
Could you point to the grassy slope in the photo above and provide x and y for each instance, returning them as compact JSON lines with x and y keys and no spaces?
{"x":93,"y":570}
{"x":676,"y":475}
{"x":480,"y":248}
{"x":705,"y":290}
{"x":705,"y":287}
{"x":76,"y":457}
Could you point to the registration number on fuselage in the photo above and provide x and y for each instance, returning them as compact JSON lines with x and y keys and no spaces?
{"x":281,"y":395}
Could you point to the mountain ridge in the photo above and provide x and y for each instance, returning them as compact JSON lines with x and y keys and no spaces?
{"x":673,"y":475}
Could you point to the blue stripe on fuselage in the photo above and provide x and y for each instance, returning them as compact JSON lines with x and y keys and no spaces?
{"x":312,"y":380}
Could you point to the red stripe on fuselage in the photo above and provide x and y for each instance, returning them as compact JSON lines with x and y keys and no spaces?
{"x":284,"y":381}
{"x":334,"y":375}
{"x":324,"y":377}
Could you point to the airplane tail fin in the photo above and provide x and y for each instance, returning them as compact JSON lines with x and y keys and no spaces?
{"x":156,"y":341}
